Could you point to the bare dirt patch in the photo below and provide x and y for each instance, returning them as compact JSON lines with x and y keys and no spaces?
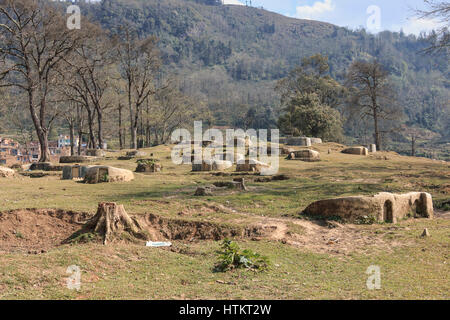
{"x":114,"y":224}
{"x":442,"y":214}
{"x":338,"y":238}
{"x":38,"y":230}
{"x":172,"y":229}
{"x":326,"y":236}
{"x":35,"y":231}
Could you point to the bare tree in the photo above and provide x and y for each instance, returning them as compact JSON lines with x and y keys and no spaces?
{"x":118,"y":92}
{"x":71,"y":112}
{"x":140,"y":61}
{"x":94,"y":73}
{"x":439,"y":10}
{"x":18,"y":120}
{"x":418,"y":137}
{"x":76,"y":92}
{"x":172,"y":109}
{"x":34,"y":40}
{"x":371,"y":92}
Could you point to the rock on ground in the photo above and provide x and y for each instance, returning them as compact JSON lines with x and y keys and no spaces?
{"x":305,"y":155}
{"x":362,"y":151}
{"x":98,"y":174}
{"x":7,"y":172}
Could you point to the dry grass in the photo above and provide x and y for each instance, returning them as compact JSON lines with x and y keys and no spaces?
{"x":304,"y":265}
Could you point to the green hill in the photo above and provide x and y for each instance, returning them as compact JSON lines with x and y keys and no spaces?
{"x":231,"y":56}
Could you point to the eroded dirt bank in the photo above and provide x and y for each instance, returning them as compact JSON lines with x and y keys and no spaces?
{"x":38,"y":230}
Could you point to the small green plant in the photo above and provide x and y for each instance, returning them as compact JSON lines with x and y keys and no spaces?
{"x":366,"y":220}
{"x":409,"y":215}
{"x":105,"y":178}
{"x":310,"y":217}
{"x":19,"y":235}
{"x":231,"y":257}
{"x":147,"y":161}
{"x":83,"y":238}
{"x":442,"y":205}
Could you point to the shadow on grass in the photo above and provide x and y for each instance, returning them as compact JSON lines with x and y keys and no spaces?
{"x":176,"y":192}
{"x":326,"y":190}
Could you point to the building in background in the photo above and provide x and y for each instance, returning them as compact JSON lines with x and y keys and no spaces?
{"x":64,"y":141}
{"x":11,"y":152}
{"x":31,"y":151}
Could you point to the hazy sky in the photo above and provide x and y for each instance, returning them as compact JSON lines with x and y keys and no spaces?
{"x":393,"y":14}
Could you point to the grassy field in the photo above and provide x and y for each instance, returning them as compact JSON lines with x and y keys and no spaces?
{"x":305,"y":267}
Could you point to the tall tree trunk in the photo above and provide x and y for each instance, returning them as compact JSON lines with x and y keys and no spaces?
{"x":120,"y":127}
{"x":377,"y":131}
{"x":79,"y":128}
{"x":100,"y":128}
{"x":134,"y":137}
{"x":72,"y":138}
{"x":147,"y":127}
{"x":141,"y":130}
{"x":80,"y":141}
{"x":92,"y":142}
{"x":147,"y":135}
{"x":133,"y":128}
{"x":45,"y":151}
{"x":40,"y":131}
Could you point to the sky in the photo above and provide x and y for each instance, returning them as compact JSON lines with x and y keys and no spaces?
{"x":373,"y":15}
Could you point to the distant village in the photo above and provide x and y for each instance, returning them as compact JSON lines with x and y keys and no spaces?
{"x":12,"y":152}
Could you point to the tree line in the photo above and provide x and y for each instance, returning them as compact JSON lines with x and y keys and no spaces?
{"x":233,"y":47}
{"x":82,"y":76}
{"x":101,"y":84}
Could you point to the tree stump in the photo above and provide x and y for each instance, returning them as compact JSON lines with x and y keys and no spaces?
{"x":203,"y":191}
{"x":111,"y":221}
{"x":235,"y":184}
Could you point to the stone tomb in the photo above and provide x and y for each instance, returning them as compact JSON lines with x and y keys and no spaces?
{"x":382,"y":207}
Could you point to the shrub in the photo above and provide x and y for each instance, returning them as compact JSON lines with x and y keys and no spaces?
{"x":442,"y":205}
{"x":231,"y":257}
{"x":19,"y":235}
{"x":366,"y":220}
{"x":79,"y":237}
{"x":147,"y":161}
{"x":104,"y":177}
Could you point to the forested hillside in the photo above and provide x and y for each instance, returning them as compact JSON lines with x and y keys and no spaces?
{"x":231,"y":56}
